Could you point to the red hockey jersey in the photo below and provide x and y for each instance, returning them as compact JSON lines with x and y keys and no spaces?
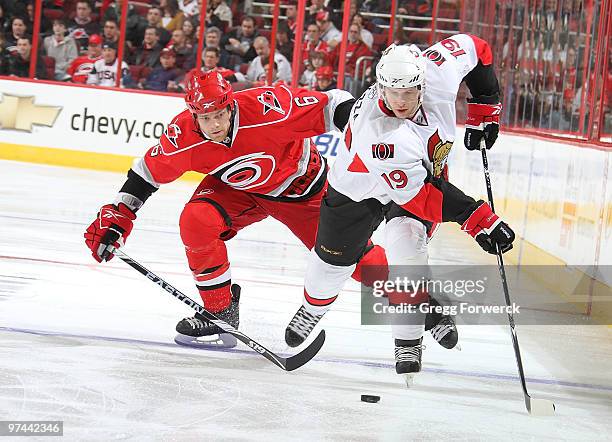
{"x":80,"y":68}
{"x":269,"y":153}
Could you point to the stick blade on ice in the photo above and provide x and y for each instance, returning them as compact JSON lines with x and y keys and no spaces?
{"x":541,"y":407}
{"x":296,"y":361}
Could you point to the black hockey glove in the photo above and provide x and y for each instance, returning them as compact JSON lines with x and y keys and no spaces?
{"x":489,"y":230}
{"x":482,"y":121}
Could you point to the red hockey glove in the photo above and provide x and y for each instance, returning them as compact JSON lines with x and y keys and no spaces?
{"x":489,"y":230}
{"x":482,"y":121}
{"x":109,"y":231}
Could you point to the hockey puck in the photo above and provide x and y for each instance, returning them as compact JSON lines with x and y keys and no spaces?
{"x":369,"y":398}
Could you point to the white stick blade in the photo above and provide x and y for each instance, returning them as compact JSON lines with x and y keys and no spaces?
{"x":541,"y":407}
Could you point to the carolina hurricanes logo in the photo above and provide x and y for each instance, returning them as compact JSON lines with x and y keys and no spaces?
{"x":270,"y":102}
{"x":79,"y":33}
{"x":85,"y":68}
{"x":383,"y":151}
{"x":172,"y":133}
{"x":248,"y":171}
{"x":438,"y":152}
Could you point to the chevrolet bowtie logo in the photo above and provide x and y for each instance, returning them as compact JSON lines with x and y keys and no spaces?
{"x":21,"y":113}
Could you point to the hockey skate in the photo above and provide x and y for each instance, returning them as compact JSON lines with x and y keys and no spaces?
{"x":442,"y":328}
{"x":300,"y":327}
{"x":199,"y":332}
{"x":408,"y":358}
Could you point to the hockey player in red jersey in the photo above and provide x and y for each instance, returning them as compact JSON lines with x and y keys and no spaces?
{"x":255,"y":147}
{"x":399,"y":135}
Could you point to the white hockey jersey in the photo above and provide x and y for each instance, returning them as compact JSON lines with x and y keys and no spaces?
{"x":388,"y":158}
{"x":103,"y":74}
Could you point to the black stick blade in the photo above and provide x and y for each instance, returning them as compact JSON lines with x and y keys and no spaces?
{"x":296,"y":361}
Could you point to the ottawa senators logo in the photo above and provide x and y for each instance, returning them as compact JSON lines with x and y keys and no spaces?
{"x":383,"y":151}
{"x":438,"y":153}
{"x":172,"y":132}
{"x":270,"y":102}
{"x":434,"y":56}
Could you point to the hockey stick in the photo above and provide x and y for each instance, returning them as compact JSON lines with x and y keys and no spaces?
{"x":287,"y":364}
{"x":536,"y":407}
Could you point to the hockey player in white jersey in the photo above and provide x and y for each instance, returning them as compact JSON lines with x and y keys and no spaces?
{"x":399,"y":135}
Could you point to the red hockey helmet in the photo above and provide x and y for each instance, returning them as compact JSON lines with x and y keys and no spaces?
{"x":326,"y":72}
{"x":208,"y":92}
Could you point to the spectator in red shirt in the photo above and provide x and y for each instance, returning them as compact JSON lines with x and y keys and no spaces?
{"x":313,"y":42}
{"x":291,"y":13}
{"x":355,"y":49}
{"x":315,"y":7}
{"x":81,"y":66}
{"x":366,"y":35}
{"x":568,"y":76}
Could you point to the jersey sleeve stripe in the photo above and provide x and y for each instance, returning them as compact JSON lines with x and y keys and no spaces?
{"x":427,"y":204}
{"x":139,"y":166}
{"x":483,"y":50}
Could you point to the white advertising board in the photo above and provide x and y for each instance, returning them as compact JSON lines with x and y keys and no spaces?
{"x":83,"y":118}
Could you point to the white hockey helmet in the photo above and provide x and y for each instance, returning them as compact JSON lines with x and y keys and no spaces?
{"x":401,"y":67}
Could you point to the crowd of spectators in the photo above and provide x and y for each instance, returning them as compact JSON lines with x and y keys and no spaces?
{"x":161,"y":41}
{"x":543,"y":69}
{"x":548,"y":67}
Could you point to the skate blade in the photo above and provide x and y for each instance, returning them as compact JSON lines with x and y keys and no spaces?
{"x":457,"y":347}
{"x":409,"y":379}
{"x":220,"y":341}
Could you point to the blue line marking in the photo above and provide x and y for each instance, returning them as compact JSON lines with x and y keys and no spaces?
{"x":472,"y":374}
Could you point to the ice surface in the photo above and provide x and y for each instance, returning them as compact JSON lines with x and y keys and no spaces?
{"x":92,"y":344}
